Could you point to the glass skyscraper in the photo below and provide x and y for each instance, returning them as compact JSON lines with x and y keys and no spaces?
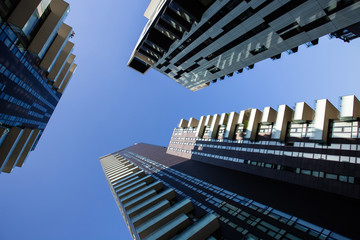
{"x":36,"y":64}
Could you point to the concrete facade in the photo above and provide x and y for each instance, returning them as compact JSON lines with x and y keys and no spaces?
{"x":197,"y":42}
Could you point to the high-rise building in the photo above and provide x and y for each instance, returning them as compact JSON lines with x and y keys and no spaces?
{"x":285,"y":174}
{"x":196,"y":42}
{"x":36,"y":64}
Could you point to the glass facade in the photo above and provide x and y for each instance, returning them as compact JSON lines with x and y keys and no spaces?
{"x":27,"y":97}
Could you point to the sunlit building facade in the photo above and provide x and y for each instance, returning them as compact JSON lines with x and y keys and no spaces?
{"x":285,"y":174}
{"x":197,"y":42}
{"x":36,"y":64}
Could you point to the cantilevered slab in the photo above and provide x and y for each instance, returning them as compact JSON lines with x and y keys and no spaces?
{"x":64,"y":71}
{"x":303,"y":113}
{"x":167,"y":194}
{"x":34,"y":136}
{"x":19,"y":148}
{"x":61,"y":60}
{"x":324,"y":111}
{"x":284,"y":116}
{"x":184,"y":206}
{"x":171,"y":228}
{"x":56,"y":47}
{"x":47,"y":32}
{"x":21,"y":16}
{"x":350,"y":108}
{"x":150,"y":213}
{"x":67,"y":78}
{"x":9,"y":145}
{"x":254,"y":120}
{"x":201,"y":229}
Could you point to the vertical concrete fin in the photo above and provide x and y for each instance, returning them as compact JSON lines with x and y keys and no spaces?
{"x":9,"y":145}
{"x":201,"y":127}
{"x":193,"y":123}
{"x":19,"y":148}
{"x":231,"y":125}
{"x":268,"y":115}
{"x":28,"y":147}
{"x":303,"y":113}
{"x":254,"y":120}
{"x":214,"y":126}
{"x":350,"y":108}
{"x":284,"y":115}
{"x":183,"y":123}
{"x":324,"y":112}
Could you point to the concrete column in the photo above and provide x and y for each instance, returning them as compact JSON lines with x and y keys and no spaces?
{"x":303,"y":113}
{"x":183,"y":123}
{"x":193,"y":123}
{"x":200,"y":128}
{"x":268,"y":115}
{"x":350,"y":108}
{"x":284,"y":116}
{"x":254,"y":120}
{"x":324,"y":111}
{"x":214,"y":127}
{"x":231,"y":125}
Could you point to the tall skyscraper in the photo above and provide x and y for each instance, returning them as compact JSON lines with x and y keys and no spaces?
{"x":197,"y":42}
{"x":285,"y":174}
{"x":36,"y":64}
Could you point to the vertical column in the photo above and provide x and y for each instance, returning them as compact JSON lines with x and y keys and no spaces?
{"x":200,"y":128}
{"x":324,"y":111}
{"x":254,"y":120}
{"x":283,"y":117}
{"x":231,"y":125}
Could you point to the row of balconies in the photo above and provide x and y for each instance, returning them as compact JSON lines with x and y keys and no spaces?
{"x":168,"y":26}
{"x":152,"y":211}
{"x":15,"y":144}
{"x":246,"y":124}
{"x":40,"y":30}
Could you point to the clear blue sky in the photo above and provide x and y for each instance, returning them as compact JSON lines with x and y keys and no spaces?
{"x":61,"y":191}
